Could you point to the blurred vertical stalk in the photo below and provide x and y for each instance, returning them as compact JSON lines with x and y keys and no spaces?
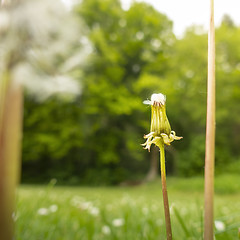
{"x":210,"y":133}
{"x":164,"y":191}
{"x":11,"y":100}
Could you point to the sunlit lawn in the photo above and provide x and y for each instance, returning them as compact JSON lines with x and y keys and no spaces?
{"x":126,"y":213}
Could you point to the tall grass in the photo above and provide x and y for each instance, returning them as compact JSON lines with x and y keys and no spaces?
{"x":10,"y":144}
{"x":210,"y":132}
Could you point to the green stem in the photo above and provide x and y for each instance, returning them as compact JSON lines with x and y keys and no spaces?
{"x":164,"y":191}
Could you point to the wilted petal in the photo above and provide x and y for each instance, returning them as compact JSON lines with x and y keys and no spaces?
{"x":177,"y":138}
{"x":150,"y":135}
{"x":166,"y":139}
{"x":174,"y":137}
{"x":147,"y":144}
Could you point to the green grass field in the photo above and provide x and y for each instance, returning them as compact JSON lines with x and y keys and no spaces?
{"x":126,"y":213}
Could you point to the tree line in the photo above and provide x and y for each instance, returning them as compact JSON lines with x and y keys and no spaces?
{"x":95,"y":137}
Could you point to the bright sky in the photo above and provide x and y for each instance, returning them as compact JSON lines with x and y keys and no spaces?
{"x":185,"y":13}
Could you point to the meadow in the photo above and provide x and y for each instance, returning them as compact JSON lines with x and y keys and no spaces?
{"x":127,"y":213}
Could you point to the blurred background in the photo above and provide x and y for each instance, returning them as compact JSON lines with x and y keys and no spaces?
{"x":87,"y":67}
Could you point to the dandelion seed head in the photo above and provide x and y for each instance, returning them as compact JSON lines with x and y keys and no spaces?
{"x":158,"y":98}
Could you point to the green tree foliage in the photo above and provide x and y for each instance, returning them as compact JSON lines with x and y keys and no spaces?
{"x":190,"y":76}
{"x":96,"y":137}
{"x":130,"y":55}
{"x":129,"y":48}
{"x":191,"y":51}
{"x":228,"y":92}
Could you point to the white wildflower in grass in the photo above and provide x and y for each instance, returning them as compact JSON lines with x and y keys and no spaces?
{"x":94,"y":211}
{"x":46,"y":211}
{"x":53,"y":208}
{"x":76,"y":201}
{"x":106,"y":230}
{"x":85,"y":205}
{"x":43,"y":211}
{"x":145,"y":210}
{"x":220,"y":226}
{"x":118,"y":222}
{"x":88,"y":206}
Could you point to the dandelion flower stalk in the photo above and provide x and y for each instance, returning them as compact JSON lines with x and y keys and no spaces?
{"x":160,"y":134}
{"x":164,"y":191}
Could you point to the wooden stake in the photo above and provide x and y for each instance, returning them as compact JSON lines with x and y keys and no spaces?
{"x":210,"y":133}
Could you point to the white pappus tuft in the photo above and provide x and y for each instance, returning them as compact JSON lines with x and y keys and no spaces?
{"x":156,"y":99}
